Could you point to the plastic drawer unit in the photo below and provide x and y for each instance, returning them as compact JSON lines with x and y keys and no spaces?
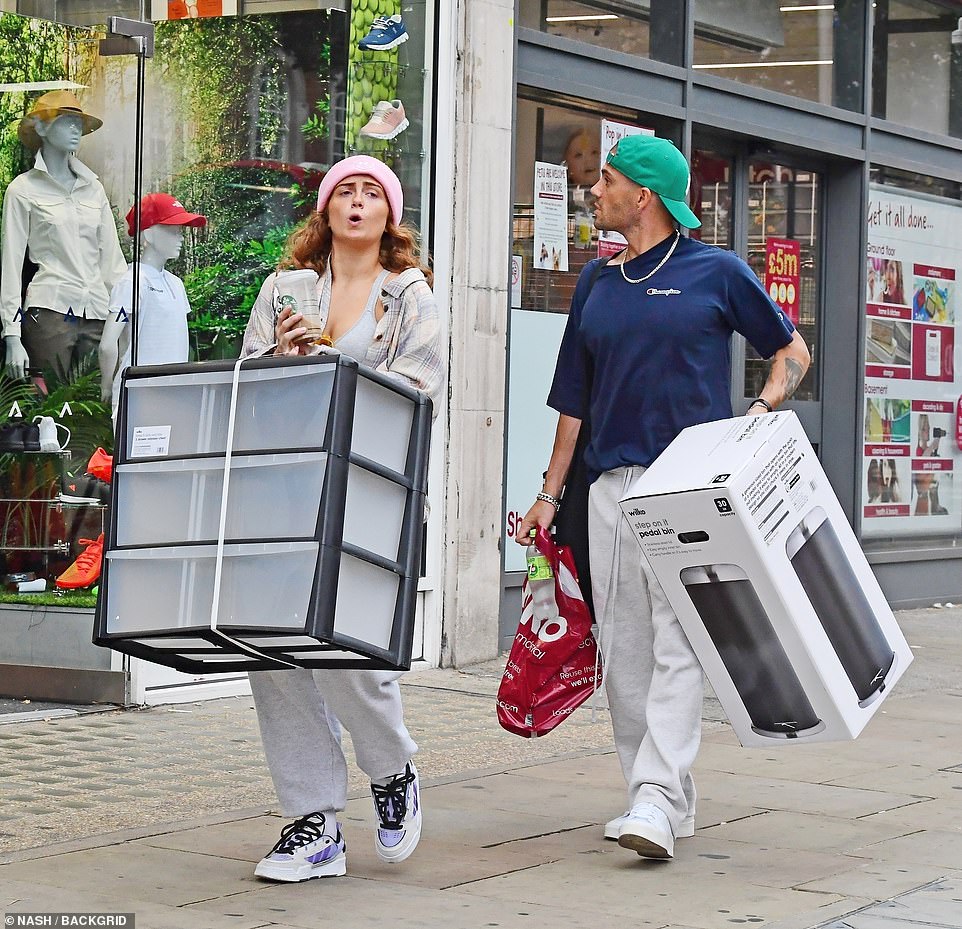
{"x":266,"y":513}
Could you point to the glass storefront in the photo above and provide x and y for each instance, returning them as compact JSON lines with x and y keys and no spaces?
{"x":241,"y":117}
{"x":780,"y":178}
{"x":917,"y":64}
{"x":807,"y":50}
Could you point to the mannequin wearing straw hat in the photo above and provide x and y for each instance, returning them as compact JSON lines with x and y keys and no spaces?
{"x":58,"y":214}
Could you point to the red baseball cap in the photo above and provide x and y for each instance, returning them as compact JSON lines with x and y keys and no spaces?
{"x":163,"y":210}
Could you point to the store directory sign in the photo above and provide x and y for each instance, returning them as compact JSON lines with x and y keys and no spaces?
{"x":911,"y":461}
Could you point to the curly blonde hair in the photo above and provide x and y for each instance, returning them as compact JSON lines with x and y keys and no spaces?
{"x":310,"y":245}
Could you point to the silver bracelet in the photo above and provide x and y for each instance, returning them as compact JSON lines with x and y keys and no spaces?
{"x":554,"y":501}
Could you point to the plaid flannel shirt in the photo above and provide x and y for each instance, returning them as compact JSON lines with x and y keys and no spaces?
{"x":407,"y":340}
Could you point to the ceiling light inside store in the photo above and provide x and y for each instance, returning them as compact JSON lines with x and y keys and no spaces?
{"x":40,"y":85}
{"x":580,"y":19}
{"x":809,"y":8}
{"x":765,"y":64}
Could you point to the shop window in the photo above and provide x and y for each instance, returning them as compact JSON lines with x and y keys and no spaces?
{"x":711,"y":197}
{"x":911,"y":466}
{"x":917,"y":64}
{"x":783,"y":250}
{"x":811,"y":51}
{"x":621,"y":27}
{"x":243,"y":116}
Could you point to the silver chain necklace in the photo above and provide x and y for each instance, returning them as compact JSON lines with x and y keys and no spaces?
{"x":657,"y":267}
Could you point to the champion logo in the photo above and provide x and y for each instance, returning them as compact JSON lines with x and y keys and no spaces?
{"x":670,"y":292}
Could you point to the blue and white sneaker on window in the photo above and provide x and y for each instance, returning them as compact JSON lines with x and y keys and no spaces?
{"x":386,"y":32}
{"x":306,"y":850}
{"x":398,"y":807}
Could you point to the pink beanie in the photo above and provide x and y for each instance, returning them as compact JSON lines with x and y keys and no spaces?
{"x":370,"y":167}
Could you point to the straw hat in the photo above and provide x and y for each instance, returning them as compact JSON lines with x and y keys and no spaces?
{"x":49,"y":106}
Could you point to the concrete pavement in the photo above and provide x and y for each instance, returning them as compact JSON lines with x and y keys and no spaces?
{"x":866,"y":835}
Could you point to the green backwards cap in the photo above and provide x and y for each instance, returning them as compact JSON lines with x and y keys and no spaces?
{"x":656,"y":164}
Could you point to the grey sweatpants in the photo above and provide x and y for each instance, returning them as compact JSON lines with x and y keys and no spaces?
{"x":653,"y":679}
{"x":298,"y":713}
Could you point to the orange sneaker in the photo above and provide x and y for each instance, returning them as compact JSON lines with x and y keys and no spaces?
{"x":85,"y":571}
{"x":101,"y":465}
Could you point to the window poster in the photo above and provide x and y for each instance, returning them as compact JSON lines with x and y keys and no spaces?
{"x":610,"y":243}
{"x":912,"y":463}
{"x":550,"y":216}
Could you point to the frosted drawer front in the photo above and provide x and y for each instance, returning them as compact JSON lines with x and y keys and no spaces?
{"x":283,"y":407}
{"x":382,"y":425}
{"x":193,"y":407}
{"x":366,"y":599}
{"x":262,"y":584}
{"x":272,"y":590}
{"x":271,"y":496}
{"x":373,"y":512}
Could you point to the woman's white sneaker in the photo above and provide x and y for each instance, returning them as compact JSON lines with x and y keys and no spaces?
{"x":306,"y":850}
{"x":397,"y":804}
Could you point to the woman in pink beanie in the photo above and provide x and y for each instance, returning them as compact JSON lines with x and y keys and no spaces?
{"x":376,"y":306}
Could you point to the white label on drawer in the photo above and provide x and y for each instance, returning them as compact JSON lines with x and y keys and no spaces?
{"x":150,"y":441}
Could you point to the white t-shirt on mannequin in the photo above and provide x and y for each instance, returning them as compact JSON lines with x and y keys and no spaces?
{"x":162,"y":336}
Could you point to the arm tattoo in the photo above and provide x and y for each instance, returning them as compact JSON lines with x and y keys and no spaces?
{"x":794,"y":373}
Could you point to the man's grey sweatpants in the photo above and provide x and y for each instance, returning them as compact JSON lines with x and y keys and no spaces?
{"x":653,"y":679}
{"x":298,"y":713}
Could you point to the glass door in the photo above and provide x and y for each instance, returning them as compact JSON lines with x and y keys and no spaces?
{"x":769,"y":212}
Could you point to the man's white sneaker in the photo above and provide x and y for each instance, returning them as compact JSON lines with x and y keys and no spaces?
{"x":646,"y":830}
{"x":305,"y":850}
{"x":685,"y":831}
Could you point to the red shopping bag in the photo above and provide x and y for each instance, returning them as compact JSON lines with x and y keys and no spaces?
{"x":551,"y":671}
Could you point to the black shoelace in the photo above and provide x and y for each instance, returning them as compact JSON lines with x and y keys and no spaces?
{"x":391,"y":800}
{"x":299,"y":833}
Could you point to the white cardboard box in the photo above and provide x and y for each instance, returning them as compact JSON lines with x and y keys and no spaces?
{"x":755,"y":555}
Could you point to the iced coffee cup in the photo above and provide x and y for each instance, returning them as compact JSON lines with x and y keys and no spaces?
{"x":299,"y":291}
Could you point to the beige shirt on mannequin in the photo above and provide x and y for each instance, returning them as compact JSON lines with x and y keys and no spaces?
{"x":71,"y":235}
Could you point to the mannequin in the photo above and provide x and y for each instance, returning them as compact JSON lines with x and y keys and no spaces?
{"x":162,"y":315}
{"x":58,"y":213}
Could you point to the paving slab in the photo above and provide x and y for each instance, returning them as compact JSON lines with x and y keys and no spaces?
{"x":876,"y":880}
{"x":929,"y":847}
{"x":30,"y":897}
{"x":364,"y":903}
{"x":785,"y":830}
{"x":138,"y":873}
{"x":651,"y":893}
{"x":943,"y":815}
{"x":939,"y":904}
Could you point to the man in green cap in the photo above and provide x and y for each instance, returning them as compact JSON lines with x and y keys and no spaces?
{"x":646,"y":353}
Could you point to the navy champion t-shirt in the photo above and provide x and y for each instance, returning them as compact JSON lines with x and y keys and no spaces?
{"x":644,"y":361}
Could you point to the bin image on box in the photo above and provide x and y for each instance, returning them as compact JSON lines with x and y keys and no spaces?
{"x":265,"y":513}
{"x":817,"y":556}
{"x":740,"y":526}
{"x":742,"y":632}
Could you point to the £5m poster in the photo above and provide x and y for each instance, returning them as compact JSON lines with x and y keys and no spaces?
{"x":912,"y":462}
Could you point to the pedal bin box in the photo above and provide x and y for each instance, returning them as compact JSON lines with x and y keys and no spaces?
{"x":743,"y":531}
{"x":265,"y":513}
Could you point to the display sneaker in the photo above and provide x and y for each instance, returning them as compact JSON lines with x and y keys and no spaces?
{"x":387,"y":121}
{"x":85,"y":571}
{"x":685,"y":831}
{"x":646,"y":830}
{"x":306,"y":850}
{"x":386,"y":32}
{"x":397,"y":805}
{"x":83,"y":489}
{"x":101,"y":465}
